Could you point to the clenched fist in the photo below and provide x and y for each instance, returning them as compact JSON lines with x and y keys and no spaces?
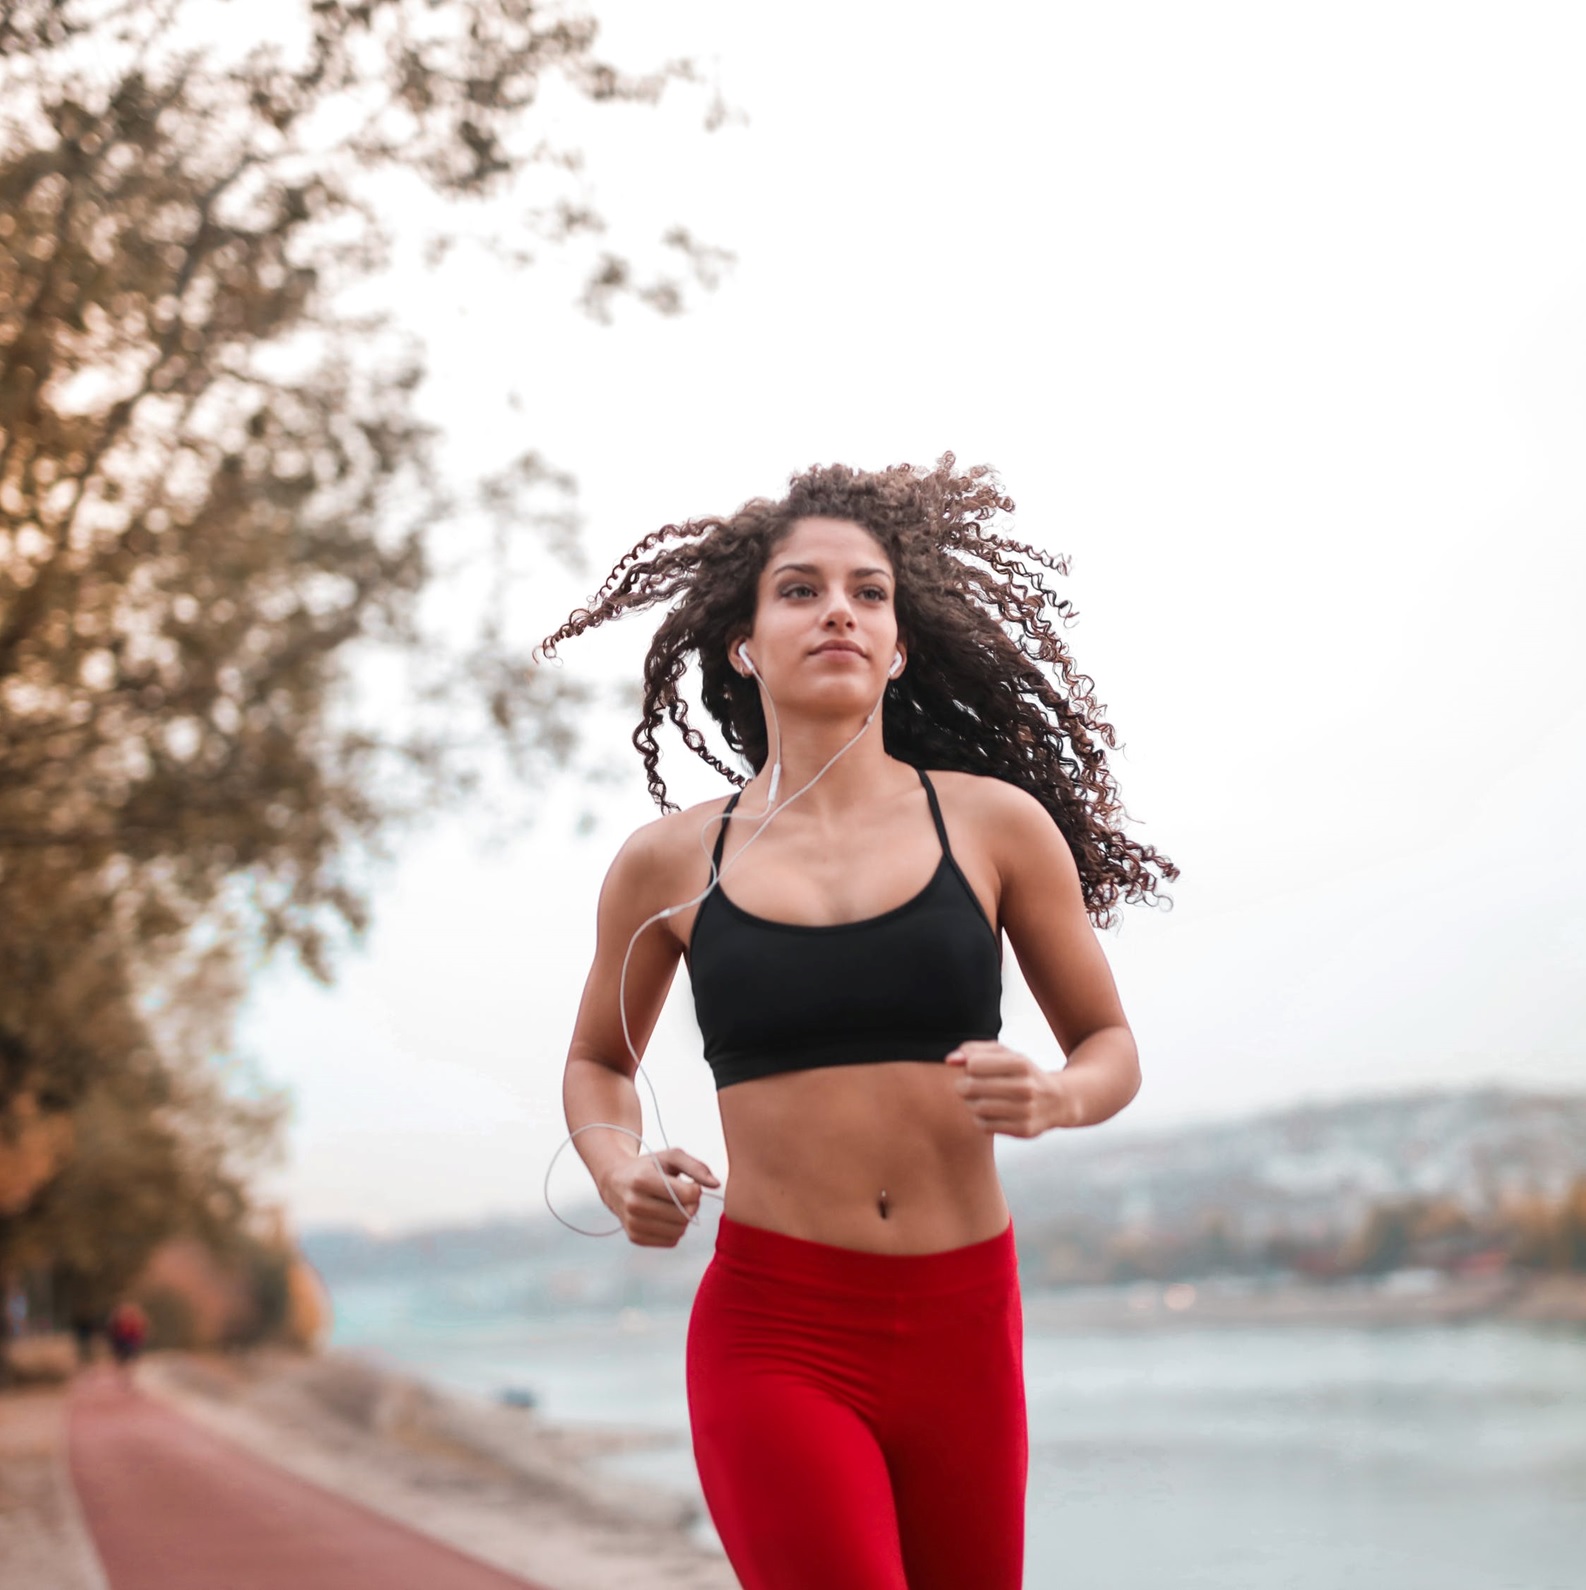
{"x":655,"y":1196}
{"x":1008,"y":1093}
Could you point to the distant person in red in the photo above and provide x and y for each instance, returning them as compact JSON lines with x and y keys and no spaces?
{"x":128,"y":1331}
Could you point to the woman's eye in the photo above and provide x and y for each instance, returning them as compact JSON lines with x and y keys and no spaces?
{"x":875,"y":592}
{"x":797,"y":590}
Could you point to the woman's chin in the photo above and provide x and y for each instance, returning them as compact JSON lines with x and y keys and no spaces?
{"x":837,"y":698}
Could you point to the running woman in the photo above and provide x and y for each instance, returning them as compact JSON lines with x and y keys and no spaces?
{"x":929,"y":781}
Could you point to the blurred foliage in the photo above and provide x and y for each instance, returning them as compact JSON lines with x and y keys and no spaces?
{"x":216,"y":495}
{"x":1551,"y":1236}
{"x":161,"y":1148}
{"x":267,"y":1270}
{"x":172,"y":1324}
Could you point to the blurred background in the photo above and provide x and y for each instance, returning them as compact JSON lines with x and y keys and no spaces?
{"x":335,"y":370}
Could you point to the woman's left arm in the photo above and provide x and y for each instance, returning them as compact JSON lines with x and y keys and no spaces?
{"x":1042,"y":909}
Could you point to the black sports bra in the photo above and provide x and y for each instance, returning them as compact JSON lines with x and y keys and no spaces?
{"x":910,"y":984}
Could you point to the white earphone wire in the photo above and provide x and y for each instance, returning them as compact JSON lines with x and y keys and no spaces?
{"x":766,"y":815}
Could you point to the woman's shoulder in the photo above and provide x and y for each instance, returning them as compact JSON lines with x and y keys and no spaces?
{"x":670,"y":848}
{"x":658,"y":866}
{"x":983,"y":797}
{"x":1006,"y":826}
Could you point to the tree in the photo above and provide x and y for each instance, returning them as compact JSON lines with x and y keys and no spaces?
{"x":155,"y":1156}
{"x":208,"y":494}
{"x":162,"y":1142}
{"x":216,"y":491}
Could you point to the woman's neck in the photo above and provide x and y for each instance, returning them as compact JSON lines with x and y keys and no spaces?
{"x":858,"y":774}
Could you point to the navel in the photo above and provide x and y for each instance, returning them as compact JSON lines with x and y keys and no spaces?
{"x":881,"y":1204}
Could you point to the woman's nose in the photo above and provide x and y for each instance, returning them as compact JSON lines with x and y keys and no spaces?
{"x":839,"y":611}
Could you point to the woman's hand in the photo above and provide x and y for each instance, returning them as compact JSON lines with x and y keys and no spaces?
{"x":637,"y":1193}
{"x":1008,"y":1093}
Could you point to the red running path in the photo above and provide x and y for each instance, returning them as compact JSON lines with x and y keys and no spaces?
{"x":171,"y":1507}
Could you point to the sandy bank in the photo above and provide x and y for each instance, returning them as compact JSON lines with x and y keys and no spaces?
{"x":497,"y":1483}
{"x":43,"y":1542}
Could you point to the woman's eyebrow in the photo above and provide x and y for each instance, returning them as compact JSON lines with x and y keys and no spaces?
{"x":810,"y":568}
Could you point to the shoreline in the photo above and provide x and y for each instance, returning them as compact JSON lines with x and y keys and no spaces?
{"x":1404,"y":1298}
{"x":499,"y":1484}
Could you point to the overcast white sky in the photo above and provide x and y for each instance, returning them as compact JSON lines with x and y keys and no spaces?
{"x":1273,"y":318}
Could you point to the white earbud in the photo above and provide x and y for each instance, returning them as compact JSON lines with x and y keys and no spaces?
{"x":897,"y":665}
{"x":743,"y":656}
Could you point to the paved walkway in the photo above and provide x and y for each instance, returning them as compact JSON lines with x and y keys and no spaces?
{"x":171,"y":1507}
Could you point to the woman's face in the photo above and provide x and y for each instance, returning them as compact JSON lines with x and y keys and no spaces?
{"x":825,"y":630}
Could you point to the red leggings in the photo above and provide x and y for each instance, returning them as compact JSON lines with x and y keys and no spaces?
{"x":859,"y":1418}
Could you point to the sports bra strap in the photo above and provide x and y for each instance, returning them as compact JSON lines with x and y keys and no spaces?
{"x":936,"y":813}
{"x":721,"y":833}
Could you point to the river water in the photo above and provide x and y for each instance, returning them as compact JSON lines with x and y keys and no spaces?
{"x":1274,"y":1458}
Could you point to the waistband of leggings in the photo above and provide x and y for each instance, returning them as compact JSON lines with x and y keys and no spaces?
{"x":819,"y":1264}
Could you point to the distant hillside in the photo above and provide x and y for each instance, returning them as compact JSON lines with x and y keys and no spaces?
{"x":1313,"y":1172}
{"x":1316,"y":1168}
{"x":351,"y":1253}
{"x":525,"y":1266}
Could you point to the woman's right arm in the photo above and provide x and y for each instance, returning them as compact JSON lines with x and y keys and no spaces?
{"x":598,"y":1085}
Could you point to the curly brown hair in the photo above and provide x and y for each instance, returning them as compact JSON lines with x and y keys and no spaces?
{"x":990,"y":687}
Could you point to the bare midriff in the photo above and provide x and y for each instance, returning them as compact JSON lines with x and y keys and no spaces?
{"x":882,"y":1158}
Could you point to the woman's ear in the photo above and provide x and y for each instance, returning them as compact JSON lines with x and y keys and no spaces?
{"x":739,"y":658}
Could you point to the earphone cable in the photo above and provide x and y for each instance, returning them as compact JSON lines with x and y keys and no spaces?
{"x":766,"y":815}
